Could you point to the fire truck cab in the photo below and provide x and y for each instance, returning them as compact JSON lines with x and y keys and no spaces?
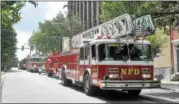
{"x":109,"y":63}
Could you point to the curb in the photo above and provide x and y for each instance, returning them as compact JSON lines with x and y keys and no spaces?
{"x":170,"y":82}
{"x":2,"y":82}
{"x":2,"y":79}
{"x":170,"y":86}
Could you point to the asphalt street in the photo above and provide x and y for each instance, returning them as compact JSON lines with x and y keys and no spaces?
{"x":25,"y":87}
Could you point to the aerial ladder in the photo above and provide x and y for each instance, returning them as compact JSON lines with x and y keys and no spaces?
{"x":118,"y":28}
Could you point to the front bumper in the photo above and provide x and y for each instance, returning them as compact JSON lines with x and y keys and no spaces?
{"x":128,"y":85}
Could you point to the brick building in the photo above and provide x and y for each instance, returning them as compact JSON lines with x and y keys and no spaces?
{"x":175,"y":50}
{"x":168,"y":61}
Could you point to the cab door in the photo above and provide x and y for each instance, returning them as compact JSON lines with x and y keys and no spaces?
{"x":85,"y":62}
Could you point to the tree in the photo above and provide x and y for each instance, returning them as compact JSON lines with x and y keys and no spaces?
{"x":158,"y":41}
{"x":11,"y":11}
{"x":163,"y":14}
{"x":10,"y":15}
{"x":49,"y":35}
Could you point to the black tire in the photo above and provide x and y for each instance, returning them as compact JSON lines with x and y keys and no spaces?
{"x":88,"y":89}
{"x":39,"y":72}
{"x":49,"y":74}
{"x":64,"y":80}
{"x":134,"y":93}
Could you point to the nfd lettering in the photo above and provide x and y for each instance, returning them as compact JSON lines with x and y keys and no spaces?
{"x":130,"y":72}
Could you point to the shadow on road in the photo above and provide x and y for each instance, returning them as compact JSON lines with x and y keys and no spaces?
{"x":114,"y":96}
{"x":13,"y":71}
{"x":108,"y":96}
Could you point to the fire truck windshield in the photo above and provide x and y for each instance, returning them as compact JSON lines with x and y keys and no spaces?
{"x":38,"y":59}
{"x":140,"y":52}
{"x":113,"y":51}
{"x":122,"y":51}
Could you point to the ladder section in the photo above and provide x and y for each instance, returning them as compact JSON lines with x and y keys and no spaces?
{"x":117,"y":28}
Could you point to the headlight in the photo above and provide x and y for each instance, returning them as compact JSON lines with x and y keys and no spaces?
{"x":113,"y":75}
{"x":146,"y":75}
{"x":101,"y":84}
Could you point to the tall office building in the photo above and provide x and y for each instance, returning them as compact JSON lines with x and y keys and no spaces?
{"x":89,"y":12}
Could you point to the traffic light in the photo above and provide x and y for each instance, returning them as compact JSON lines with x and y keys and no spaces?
{"x":22,"y":48}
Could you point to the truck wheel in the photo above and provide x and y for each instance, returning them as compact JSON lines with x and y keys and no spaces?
{"x":134,"y":93}
{"x":65,"y":81}
{"x":39,"y":72}
{"x":89,"y":90}
{"x":49,"y":74}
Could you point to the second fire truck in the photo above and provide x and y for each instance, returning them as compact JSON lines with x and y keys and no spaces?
{"x":52,"y":64}
{"x":111,"y":56}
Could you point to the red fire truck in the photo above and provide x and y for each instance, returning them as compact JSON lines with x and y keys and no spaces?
{"x":51,"y":65}
{"x":111,"y":56}
{"x":36,"y":62}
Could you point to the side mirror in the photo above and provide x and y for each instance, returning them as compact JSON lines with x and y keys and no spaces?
{"x":125,"y":58}
{"x":156,"y":55}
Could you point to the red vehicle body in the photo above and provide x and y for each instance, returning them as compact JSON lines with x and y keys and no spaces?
{"x":35,"y":63}
{"x":102,"y":58}
{"x":106,"y":74}
{"x":52,"y":64}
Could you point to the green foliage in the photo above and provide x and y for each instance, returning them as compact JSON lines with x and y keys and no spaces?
{"x":163,"y":14}
{"x":49,"y":35}
{"x":10,"y":14}
{"x":159,"y":41}
{"x":8,"y":45}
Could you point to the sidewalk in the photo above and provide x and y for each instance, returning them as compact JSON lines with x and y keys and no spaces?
{"x":171,"y":85}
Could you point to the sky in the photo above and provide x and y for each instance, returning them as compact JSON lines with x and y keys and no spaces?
{"x":31,"y":17}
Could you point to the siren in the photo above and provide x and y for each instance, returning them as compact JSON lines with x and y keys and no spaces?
{"x":103,"y":37}
{"x":99,"y":37}
{"x":108,"y":37}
